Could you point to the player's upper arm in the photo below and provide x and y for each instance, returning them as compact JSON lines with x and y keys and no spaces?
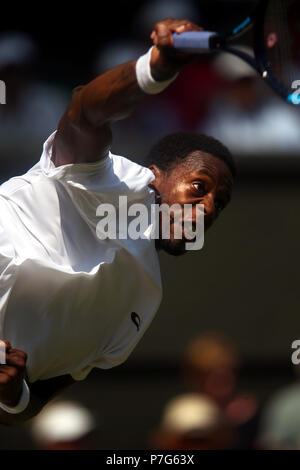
{"x":76,"y":140}
{"x":84,"y":131}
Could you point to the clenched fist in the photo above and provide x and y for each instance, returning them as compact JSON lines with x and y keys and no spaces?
{"x":11,"y":375}
{"x":165,"y":60}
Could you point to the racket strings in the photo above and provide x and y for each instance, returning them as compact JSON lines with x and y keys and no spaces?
{"x":287,"y":47}
{"x":279,"y":39}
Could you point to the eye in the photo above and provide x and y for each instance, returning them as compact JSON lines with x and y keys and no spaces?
{"x":199,"y":187}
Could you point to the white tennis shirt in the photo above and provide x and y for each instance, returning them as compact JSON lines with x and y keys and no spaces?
{"x":67,"y":297}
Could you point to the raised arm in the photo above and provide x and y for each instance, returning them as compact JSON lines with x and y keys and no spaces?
{"x":84,"y":133}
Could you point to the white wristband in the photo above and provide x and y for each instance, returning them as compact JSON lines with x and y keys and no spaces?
{"x":23,"y":402}
{"x":144,"y":78}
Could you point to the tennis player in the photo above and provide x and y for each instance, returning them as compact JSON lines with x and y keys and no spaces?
{"x":71,"y":300}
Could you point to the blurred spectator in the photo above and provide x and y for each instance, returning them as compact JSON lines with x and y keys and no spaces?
{"x":32,"y":108}
{"x":210,"y":367}
{"x":280,"y":424}
{"x":117,"y":52}
{"x":192,"y":421}
{"x":247,"y":116}
{"x":151,"y":12}
{"x":63,"y":425}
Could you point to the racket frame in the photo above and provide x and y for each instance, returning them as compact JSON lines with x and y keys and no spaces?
{"x":259,"y":62}
{"x":255,"y":21}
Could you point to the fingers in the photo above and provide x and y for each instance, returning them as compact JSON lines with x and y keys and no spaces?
{"x":163,"y":30}
{"x":8,"y":373}
{"x":12,"y":373}
{"x":14,"y":368}
{"x":17,"y":359}
{"x":11,"y":356}
{"x":163,"y":35}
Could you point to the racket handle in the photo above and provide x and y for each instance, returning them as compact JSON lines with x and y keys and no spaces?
{"x":193,"y":41}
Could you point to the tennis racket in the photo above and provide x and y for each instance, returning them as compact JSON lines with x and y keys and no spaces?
{"x":276,"y":45}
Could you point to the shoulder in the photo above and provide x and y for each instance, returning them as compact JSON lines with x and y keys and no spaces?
{"x":133,"y":173}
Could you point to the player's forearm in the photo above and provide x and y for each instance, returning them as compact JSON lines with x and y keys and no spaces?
{"x":111,"y":96}
{"x":114,"y":95}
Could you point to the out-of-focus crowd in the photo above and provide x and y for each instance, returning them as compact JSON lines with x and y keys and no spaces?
{"x":216,"y":413}
{"x":213,"y":413}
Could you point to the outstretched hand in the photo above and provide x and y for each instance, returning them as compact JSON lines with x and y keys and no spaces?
{"x":165,"y":60}
{"x":11,"y":375}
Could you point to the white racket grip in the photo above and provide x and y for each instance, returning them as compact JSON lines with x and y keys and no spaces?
{"x":194,"y":41}
{"x":2,"y":352}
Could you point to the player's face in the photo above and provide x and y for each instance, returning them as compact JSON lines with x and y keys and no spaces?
{"x":209,"y":183}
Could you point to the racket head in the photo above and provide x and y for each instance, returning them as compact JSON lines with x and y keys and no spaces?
{"x":281,"y":47}
{"x":276,"y":44}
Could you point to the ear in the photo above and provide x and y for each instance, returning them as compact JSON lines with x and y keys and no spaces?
{"x":158,"y":173}
{"x":158,"y":183}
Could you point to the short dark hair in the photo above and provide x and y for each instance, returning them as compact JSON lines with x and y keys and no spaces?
{"x":175,"y":148}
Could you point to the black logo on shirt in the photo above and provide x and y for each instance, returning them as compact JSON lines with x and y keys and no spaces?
{"x":136,"y":320}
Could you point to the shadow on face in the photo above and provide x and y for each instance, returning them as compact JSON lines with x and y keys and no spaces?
{"x":200,"y":180}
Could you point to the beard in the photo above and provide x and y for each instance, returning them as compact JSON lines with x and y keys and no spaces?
{"x":172,"y":247}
